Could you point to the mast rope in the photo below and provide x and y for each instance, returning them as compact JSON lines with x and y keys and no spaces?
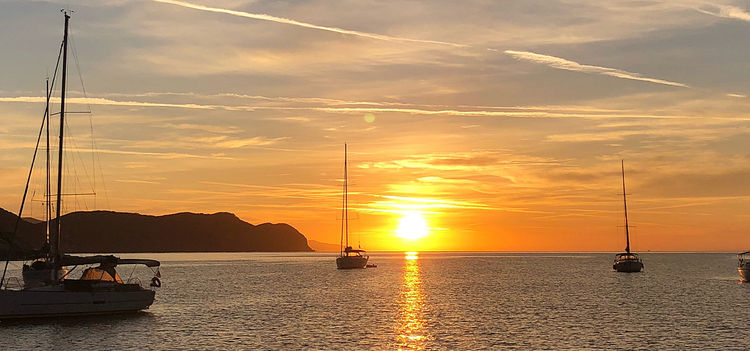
{"x":11,"y":239}
{"x":95,"y":159}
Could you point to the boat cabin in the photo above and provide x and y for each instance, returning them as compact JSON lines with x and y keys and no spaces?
{"x":627,"y":256}
{"x":743,"y":257}
{"x":102,"y":274}
{"x":349,"y":251}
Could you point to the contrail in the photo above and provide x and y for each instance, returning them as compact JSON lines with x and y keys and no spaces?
{"x":519,"y":112}
{"x":551,"y":61}
{"x":727,"y":11}
{"x":561,"y":63}
{"x":265,"y":17}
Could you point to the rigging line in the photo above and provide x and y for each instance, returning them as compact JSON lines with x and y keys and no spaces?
{"x":69,"y":112}
{"x":76,"y":157}
{"x":74,"y":51}
{"x":25,"y":192}
{"x":78,"y":66}
{"x":31,"y":169}
{"x":103,"y":183}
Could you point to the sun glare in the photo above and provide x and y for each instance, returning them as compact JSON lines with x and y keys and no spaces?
{"x":412,"y":226}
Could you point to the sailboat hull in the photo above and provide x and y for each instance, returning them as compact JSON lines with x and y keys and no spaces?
{"x":351,"y":262}
{"x":744,"y":270}
{"x":628,"y":266}
{"x":59,"y":301}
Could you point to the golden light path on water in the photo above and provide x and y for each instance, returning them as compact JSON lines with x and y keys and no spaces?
{"x":411,"y":334}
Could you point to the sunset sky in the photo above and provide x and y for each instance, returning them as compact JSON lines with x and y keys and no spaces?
{"x":501,"y":124}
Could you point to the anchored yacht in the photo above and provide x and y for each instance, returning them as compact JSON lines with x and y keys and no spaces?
{"x":47,"y":288}
{"x":627,"y":262}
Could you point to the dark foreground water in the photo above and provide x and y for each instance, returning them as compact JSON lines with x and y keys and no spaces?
{"x":462,"y":301}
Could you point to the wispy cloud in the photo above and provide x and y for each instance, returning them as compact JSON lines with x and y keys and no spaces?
{"x":136,"y":181}
{"x":204,"y":128}
{"x":265,"y":17}
{"x":726,"y":11}
{"x":400,"y":204}
{"x":561,"y":63}
{"x":483,"y":113}
{"x":254,"y":141}
{"x":100,"y":101}
{"x":551,"y":61}
{"x":328,"y":106}
{"x":166,"y":155}
{"x":433,"y":179}
{"x":525,"y":112}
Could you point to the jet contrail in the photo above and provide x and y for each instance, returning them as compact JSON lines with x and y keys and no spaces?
{"x":727,"y":11}
{"x":561,"y":63}
{"x":551,"y":61}
{"x":265,"y":17}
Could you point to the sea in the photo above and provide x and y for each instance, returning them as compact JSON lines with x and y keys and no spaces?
{"x":418,"y":301}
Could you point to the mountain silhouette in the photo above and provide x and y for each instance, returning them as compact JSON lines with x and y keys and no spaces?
{"x":118,"y":232}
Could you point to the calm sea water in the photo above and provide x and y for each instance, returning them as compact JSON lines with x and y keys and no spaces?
{"x":431,"y":301}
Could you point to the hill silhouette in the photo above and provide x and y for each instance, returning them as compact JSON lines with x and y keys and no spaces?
{"x":320,"y":246}
{"x":110,"y":232}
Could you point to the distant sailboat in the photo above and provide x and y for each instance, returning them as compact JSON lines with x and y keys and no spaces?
{"x":627,"y":262}
{"x":348,"y":257}
{"x":743,"y":265}
{"x":47,"y":287}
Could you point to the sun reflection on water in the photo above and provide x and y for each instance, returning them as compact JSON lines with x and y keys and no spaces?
{"x":411,"y":325}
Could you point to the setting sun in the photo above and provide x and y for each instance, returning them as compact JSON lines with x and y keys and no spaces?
{"x":412,"y":226}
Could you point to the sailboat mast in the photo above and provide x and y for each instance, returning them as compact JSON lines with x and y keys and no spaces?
{"x":346,"y":198}
{"x":48,"y":185}
{"x":343,"y":208}
{"x":56,"y":250}
{"x":625,"y":203}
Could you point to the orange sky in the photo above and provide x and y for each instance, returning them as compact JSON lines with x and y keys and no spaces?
{"x":502,"y":126}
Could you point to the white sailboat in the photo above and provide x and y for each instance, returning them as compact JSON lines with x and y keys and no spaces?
{"x":627,"y":262}
{"x":48,"y":289}
{"x":349,"y":258}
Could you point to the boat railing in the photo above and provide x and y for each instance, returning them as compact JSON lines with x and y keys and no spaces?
{"x":627,"y":258}
{"x":12,"y":283}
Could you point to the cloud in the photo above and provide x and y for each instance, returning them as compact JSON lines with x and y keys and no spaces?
{"x":265,"y":17}
{"x":204,"y":128}
{"x":561,"y":63}
{"x":481,"y":113}
{"x":101,"y":101}
{"x":399,"y":204}
{"x":254,"y":141}
{"x":727,"y":11}
{"x":551,"y":61}
{"x":470,"y":161}
{"x":167,"y":155}
{"x":433,"y":179}
{"x":530,"y":112}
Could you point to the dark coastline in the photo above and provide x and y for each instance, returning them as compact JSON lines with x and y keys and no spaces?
{"x":109,"y":232}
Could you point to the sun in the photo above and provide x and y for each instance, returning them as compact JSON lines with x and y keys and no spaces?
{"x":412,"y":226}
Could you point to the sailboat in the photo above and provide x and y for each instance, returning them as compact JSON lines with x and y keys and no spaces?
{"x":627,"y":262}
{"x":349,"y":258}
{"x":743,"y":265}
{"x":48,"y":289}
